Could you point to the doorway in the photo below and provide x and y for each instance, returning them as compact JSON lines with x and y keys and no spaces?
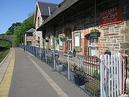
{"x":68,"y":41}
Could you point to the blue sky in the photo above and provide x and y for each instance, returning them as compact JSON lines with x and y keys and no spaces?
{"x":16,"y":11}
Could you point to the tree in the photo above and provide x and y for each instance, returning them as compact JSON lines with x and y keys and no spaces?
{"x":5,"y":44}
{"x":19,"y":29}
{"x":12,"y":28}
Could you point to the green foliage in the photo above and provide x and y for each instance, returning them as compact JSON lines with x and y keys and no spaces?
{"x":3,"y":53}
{"x":96,"y":74}
{"x":4,"y":43}
{"x":79,"y":71}
{"x":19,"y":29}
{"x":65,"y":66}
{"x":12,"y":28}
{"x":62,"y":38}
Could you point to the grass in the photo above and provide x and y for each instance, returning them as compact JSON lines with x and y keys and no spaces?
{"x":3,"y":54}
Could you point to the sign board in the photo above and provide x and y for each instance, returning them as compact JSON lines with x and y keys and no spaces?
{"x":110,"y":16}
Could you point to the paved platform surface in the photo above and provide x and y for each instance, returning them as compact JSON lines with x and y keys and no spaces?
{"x":33,"y":78}
{"x":6,"y":72}
{"x":4,"y":64}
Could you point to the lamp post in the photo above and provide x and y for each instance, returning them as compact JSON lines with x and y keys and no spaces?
{"x":25,"y":41}
{"x":69,"y":41}
{"x":54,"y":34}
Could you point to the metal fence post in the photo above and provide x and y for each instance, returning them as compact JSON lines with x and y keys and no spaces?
{"x":102,"y":92}
{"x":54,"y":60}
{"x":46,"y":55}
{"x":68,"y":67}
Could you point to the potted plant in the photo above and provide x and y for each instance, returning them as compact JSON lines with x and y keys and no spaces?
{"x":57,"y":40}
{"x":62,"y":38}
{"x":79,"y":76}
{"x":65,"y":66}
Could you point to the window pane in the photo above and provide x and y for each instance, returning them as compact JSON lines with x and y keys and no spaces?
{"x":77,"y":41}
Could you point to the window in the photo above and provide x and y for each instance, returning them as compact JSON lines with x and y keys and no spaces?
{"x":29,"y":43}
{"x":93,"y":46}
{"x":61,"y":41}
{"x":38,"y":42}
{"x":38,"y":21}
{"x":93,"y":43}
{"x":77,"y":41}
{"x":52,"y":42}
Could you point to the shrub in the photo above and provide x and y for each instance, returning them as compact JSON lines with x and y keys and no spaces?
{"x":96,"y":74}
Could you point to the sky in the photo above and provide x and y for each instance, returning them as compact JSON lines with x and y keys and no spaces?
{"x":12,"y":11}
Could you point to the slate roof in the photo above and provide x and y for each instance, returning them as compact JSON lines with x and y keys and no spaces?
{"x":44,"y":8}
{"x":61,"y":8}
{"x":30,"y":30}
{"x":64,"y":6}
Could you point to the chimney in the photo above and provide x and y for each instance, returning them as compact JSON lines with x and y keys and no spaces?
{"x":49,"y":10}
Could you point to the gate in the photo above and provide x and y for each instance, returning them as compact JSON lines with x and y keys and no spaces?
{"x":113,"y":75}
{"x":92,"y":75}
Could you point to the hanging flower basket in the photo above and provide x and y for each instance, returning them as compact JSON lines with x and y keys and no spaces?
{"x":47,"y":39}
{"x":79,"y":76}
{"x":57,"y":40}
{"x":94,"y":30}
{"x":62,"y":38}
{"x":94,"y":33}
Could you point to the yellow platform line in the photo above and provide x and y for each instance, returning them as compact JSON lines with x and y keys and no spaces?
{"x":6,"y":82}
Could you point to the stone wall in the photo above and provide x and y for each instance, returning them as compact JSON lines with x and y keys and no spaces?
{"x":113,"y":38}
